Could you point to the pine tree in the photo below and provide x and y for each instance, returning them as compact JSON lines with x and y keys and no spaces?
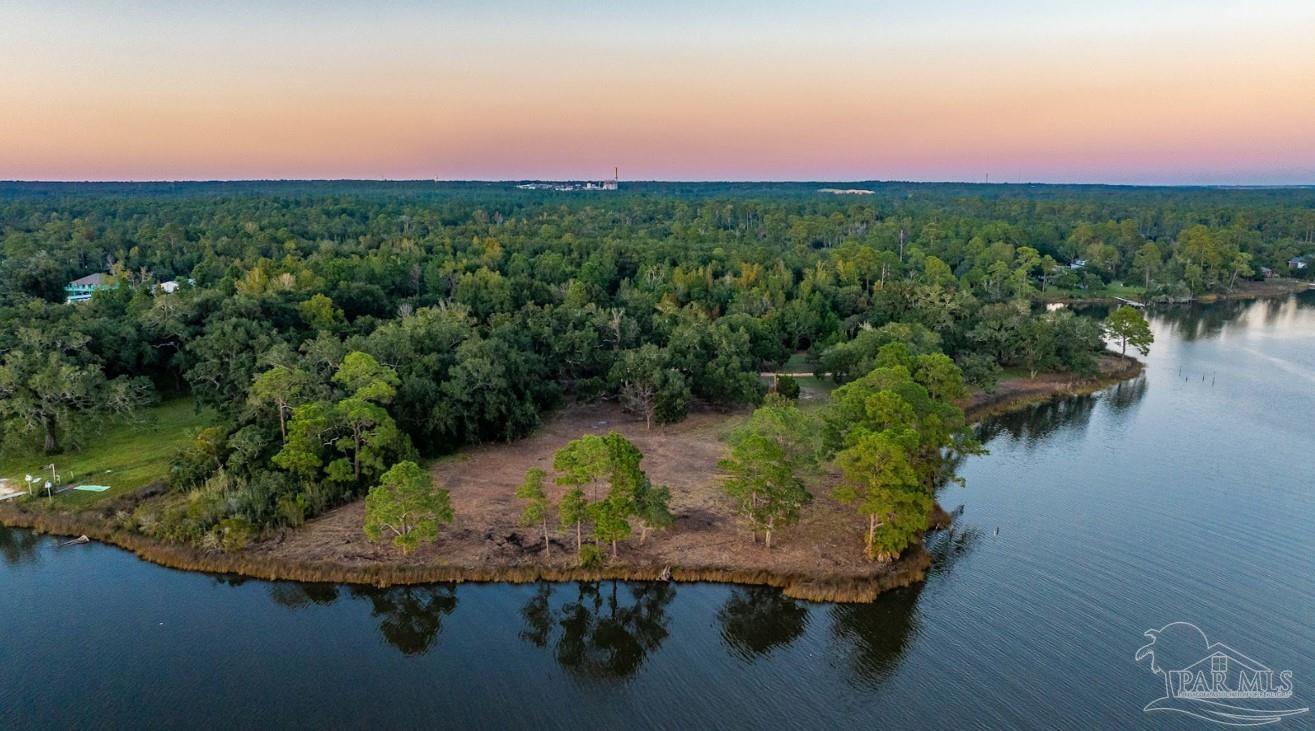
{"x":407,"y":505}
{"x":536,"y":506}
{"x":573,"y":511}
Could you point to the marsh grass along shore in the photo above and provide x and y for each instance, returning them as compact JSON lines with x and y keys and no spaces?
{"x":818,"y":559}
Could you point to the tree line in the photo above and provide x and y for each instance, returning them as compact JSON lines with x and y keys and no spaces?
{"x":338,"y":331}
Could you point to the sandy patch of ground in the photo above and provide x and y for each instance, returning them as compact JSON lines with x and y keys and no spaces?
{"x":706,"y":535}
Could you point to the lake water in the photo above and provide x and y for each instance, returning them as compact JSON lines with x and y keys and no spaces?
{"x":1188,"y":495}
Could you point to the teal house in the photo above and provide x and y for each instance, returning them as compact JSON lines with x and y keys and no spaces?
{"x":79,"y":290}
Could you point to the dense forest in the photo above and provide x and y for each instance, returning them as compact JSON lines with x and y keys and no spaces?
{"x":341,"y":329}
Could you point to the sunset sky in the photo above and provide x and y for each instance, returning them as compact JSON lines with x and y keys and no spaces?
{"x":1171,"y":91}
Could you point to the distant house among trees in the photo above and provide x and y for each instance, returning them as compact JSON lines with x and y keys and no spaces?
{"x":1299,"y":263}
{"x":79,"y":290}
{"x":171,"y":286}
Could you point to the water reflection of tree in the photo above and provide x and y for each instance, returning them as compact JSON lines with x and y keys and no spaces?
{"x":18,"y":546}
{"x":1274,"y":308}
{"x":1033,"y":425}
{"x":1197,"y":321}
{"x":1122,"y":396}
{"x":538,"y":616}
{"x":758,"y":619}
{"x":874,"y":637}
{"x":948,"y":546}
{"x":229,"y":579}
{"x":299,"y":596}
{"x":411,"y":616}
{"x":606,"y":632}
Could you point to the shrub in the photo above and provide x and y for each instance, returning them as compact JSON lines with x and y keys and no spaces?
{"x":979,"y":369}
{"x":592,"y":555}
{"x":235,"y":534}
{"x":787,"y":387}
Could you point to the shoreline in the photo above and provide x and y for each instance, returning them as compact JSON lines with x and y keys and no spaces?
{"x":1247,"y":290}
{"x":909,"y":569}
{"x":856,"y":585}
{"x":1019,"y":393}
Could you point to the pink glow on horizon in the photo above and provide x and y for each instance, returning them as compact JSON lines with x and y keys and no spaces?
{"x":1188,"y":107}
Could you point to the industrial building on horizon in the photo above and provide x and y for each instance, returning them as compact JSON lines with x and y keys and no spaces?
{"x":570,"y":186}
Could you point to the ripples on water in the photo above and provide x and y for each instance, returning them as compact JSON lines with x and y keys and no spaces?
{"x":1184,"y":495}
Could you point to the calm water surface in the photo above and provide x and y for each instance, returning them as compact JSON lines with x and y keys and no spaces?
{"x":1186,"y":495}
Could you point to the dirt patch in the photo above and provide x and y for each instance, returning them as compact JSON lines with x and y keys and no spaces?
{"x":706,"y":536}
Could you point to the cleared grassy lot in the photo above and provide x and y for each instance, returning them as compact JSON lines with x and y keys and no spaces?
{"x":126,"y":457}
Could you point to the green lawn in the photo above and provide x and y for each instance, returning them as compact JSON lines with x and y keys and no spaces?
{"x":1114,"y":289}
{"x":814,"y":391}
{"x":797,"y":363}
{"x":126,"y":457}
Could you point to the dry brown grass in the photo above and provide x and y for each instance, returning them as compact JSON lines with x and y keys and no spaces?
{"x":826,"y":545}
